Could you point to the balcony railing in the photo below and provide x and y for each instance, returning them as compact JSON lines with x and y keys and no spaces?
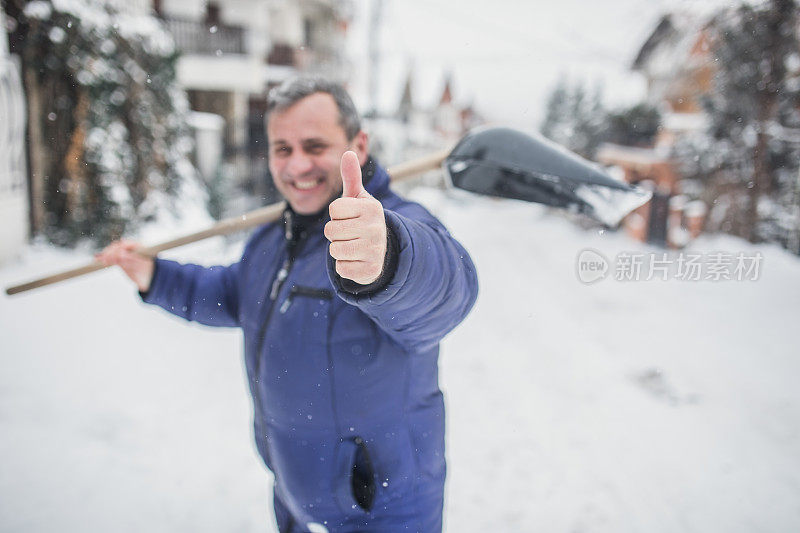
{"x":317,"y":60}
{"x":193,"y":37}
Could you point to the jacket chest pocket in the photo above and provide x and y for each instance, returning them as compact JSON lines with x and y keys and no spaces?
{"x":294,"y":370}
{"x":323,"y":296}
{"x":301,"y":317}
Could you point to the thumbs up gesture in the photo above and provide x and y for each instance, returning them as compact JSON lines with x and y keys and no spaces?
{"x":357,"y":229}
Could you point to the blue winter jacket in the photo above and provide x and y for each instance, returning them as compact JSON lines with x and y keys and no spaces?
{"x":348,"y":414}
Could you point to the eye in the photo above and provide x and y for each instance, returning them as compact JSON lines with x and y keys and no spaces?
{"x":315,"y":149}
{"x":281,"y":151}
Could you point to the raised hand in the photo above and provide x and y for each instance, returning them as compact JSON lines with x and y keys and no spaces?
{"x":357,"y":229}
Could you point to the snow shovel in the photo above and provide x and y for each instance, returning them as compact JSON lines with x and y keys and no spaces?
{"x":510,"y":164}
{"x":492,"y":161}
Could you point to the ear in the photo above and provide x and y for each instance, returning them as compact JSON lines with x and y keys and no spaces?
{"x":360,"y":145}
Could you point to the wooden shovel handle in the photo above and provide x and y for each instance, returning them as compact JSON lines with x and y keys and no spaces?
{"x":251,"y":219}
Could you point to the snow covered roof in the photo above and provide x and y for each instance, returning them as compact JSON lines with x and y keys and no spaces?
{"x":670,"y":45}
{"x":684,"y":121}
{"x":422,"y":89}
{"x":662,"y":30}
{"x":615,"y":154}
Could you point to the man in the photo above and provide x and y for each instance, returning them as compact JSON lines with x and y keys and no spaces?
{"x":342,"y":306}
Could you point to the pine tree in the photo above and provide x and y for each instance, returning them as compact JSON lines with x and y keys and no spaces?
{"x":557,"y":117}
{"x":574,"y":118}
{"x":590,"y":120}
{"x":633,"y":126}
{"x":112,"y":117}
{"x":748,"y":159}
{"x":579,"y":121}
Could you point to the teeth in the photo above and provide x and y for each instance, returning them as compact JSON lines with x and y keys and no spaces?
{"x":305,"y":185}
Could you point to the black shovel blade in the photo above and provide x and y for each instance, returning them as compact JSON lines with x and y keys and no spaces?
{"x":510,"y":164}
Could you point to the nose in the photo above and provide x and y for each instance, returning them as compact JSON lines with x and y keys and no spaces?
{"x":299,"y":163}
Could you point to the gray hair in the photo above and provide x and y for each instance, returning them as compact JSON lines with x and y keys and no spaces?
{"x":293,"y":90}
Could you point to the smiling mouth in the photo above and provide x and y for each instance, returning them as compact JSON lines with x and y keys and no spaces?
{"x":306,"y":185}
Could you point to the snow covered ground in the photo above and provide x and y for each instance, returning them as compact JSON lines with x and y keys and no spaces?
{"x":652,"y":406}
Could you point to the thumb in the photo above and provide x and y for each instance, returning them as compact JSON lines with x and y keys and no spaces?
{"x":351,"y":176}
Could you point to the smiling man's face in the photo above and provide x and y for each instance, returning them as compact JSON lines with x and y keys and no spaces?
{"x":306,"y":143}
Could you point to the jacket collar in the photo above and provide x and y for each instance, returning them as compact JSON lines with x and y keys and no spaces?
{"x":375,"y":178}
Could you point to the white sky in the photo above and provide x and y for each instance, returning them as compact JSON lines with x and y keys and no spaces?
{"x":506,"y":55}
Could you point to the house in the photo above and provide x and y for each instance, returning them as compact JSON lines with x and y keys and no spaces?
{"x":233,"y":51}
{"x":426,"y":120}
{"x":678,"y":66}
{"x":230,"y":52}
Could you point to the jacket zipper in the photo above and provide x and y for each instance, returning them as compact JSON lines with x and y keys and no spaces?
{"x":297,"y":290}
{"x":292,"y":244}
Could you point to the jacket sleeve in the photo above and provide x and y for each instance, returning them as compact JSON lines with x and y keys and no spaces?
{"x":433,"y":288}
{"x":206,"y":295}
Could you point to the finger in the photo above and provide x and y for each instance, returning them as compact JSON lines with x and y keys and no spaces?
{"x":113,"y":248}
{"x":352,"y":250}
{"x":352,"y":187}
{"x":129,"y":245}
{"x":104,"y":251}
{"x":107,"y":255}
{"x":105,"y":258}
{"x":117,"y":255}
{"x":123,"y":252}
{"x":129,"y":266}
{"x":343,"y":230}
{"x":132,"y":265}
{"x":358,"y":271}
{"x":344,"y":208}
